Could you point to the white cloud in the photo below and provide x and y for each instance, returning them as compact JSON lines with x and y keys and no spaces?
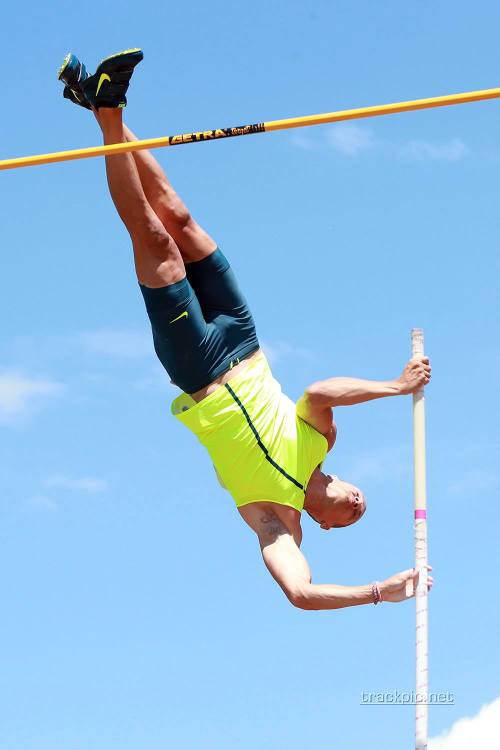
{"x":480,"y":732}
{"x":42,"y":502}
{"x":117,"y":342}
{"x":84,"y":484}
{"x":305,"y":142}
{"x":278,"y":350}
{"x":17,"y":392}
{"x":346,"y":138}
{"x":452,"y":150}
{"x":350,"y":140}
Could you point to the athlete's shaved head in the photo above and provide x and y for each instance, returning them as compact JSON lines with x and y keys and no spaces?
{"x":341,"y":504}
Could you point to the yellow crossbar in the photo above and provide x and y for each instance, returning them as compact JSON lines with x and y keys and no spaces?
{"x":262,"y":127}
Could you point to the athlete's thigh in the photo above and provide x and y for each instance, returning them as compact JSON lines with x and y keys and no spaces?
{"x":231,"y":334}
{"x":216,"y":286}
{"x":180,"y":334}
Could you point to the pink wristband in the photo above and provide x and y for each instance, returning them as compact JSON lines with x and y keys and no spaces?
{"x":377,"y":596}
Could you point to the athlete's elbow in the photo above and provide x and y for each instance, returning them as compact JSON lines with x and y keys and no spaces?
{"x":317,"y":396}
{"x":313,"y":392}
{"x":299,"y":597}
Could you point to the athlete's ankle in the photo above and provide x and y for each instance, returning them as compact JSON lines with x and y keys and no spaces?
{"x":110,"y":114}
{"x":110,"y":121}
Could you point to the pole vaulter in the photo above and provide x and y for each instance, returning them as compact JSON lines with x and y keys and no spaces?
{"x":267,"y":451}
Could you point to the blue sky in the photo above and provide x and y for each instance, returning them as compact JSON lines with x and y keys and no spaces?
{"x":136,"y":611}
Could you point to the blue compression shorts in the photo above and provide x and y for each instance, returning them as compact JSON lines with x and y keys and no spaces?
{"x":202,"y":325}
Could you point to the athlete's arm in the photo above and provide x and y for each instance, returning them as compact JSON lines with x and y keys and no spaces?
{"x":290,"y":569}
{"x":349,"y":391}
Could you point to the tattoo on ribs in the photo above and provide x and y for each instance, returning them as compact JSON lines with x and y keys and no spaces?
{"x":267,"y":516}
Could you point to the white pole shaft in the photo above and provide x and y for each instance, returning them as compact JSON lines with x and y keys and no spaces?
{"x":420,"y":495}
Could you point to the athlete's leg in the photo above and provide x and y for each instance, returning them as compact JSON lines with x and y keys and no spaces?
{"x":213,"y":322}
{"x":208,"y":271}
{"x":193,"y":242}
{"x":157,"y":258}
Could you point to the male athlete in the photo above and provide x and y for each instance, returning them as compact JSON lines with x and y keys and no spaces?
{"x":267,"y":451}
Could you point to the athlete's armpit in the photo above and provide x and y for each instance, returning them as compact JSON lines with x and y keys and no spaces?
{"x":270,"y":527}
{"x":319,"y":417}
{"x":270,"y":521}
{"x":264,"y":521}
{"x":331,"y":435}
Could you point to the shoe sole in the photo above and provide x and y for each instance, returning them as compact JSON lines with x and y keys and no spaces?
{"x":64,"y":65}
{"x":120,"y":54}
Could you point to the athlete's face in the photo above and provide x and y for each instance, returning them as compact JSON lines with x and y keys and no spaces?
{"x":343,"y":505}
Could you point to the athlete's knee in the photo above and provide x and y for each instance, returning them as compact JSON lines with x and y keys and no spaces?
{"x":157,"y":257}
{"x":151,"y":236}
{"x":175,"y":212}
{"x":155,"y":273}
{"x":156,"y":278}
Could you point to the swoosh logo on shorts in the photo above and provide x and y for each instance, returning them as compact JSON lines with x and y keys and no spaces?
{"x":104,"y":77}
{"x":185,"y":314}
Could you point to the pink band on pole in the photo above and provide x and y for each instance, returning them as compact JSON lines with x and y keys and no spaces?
{"x":421,"y":514}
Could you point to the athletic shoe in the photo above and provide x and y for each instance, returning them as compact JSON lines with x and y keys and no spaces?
{"x":73,"y":73}
{"x":109,"y":84}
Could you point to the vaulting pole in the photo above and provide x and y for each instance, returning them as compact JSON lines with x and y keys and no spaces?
{"x":262,"y":127}
{"x":420,"y":495}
